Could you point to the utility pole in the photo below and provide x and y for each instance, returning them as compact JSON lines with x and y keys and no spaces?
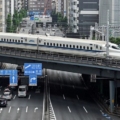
{"x":107,"y":37}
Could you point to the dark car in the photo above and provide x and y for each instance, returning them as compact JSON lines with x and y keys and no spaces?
{"x":3,"y":102}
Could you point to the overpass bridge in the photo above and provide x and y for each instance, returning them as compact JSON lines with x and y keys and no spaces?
{"x":78,"y":64}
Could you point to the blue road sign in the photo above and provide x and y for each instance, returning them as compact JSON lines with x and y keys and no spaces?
{"x":33,"y":80}
{"x":8,"y":72}
{"x":32,"y":18}
{"x":32,"y":69}
{"x":13,"y":80}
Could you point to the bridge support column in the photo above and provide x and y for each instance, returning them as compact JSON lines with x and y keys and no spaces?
{"x":112,"y":94}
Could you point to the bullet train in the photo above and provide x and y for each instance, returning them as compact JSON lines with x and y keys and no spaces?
{"x":57,"y":44}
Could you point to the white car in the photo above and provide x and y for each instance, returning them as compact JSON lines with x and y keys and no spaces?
{"x":7,"y":95}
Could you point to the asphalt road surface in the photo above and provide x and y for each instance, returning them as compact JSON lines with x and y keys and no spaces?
{"x":70,"y":103}
{"x":29,"y":108}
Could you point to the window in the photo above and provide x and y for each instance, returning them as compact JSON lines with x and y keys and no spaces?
{"x":15,"y":40}
{"x":66,"y":45}
{"x":96,"y":46}
{"x":1,"y":39}
{"x":50,"y":44}
{"x":115,"y":47}
{"x":73,"y":46}
{"x":87,"y":48}
{"x":63,"y":45}
{"x":7,"y":40}
{"x":80,"y":47}
{"x":57,"y":44}
{"x":100,"y":48}
{"x":10,"y":40}
{"x":90,"y":48}
{"x":54,"y":44}
{"x":77,"y":46}
{"x":83,"y":47}
{"x":4,"y":39}
{"x":21,"y":41}
{"x":44,"y":43}
{"x":25,"y":40}
{"x":70,"y":46}
{"x":60,"y":45}
{"x":47,"y":43}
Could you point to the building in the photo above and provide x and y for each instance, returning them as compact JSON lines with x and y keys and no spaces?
{"x":25,"y":4}
{"x":61,"y":7}
{"x":83,"y":14}
{"x":39,"y":5}
{"x":18,"y":4}
{"x":114,"y":9}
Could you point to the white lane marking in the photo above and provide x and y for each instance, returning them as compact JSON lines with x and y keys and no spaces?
{"x":101,"y":111}
{"x":27,"y":109}
{"x":85,"y":109}
{"x":1,"y":110}
{"x":14,"y":97}
{"x":77,"y":97}
{"x":35,"y":109}
{"x":69,"y":109}
{"x":63,"y":96}
{"x":18,"y":110}
{"x":29,"y":96}
{"x":9,"y":109}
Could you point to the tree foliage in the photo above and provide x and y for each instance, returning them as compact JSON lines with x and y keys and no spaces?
{"x":14,"y":21}
{"x":115,"y":40}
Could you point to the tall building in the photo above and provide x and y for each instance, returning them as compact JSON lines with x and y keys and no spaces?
{"x":82,"y":15}
{"x":114,"y":9}
{"x":39,"y":5}
{"x":58,"y":6}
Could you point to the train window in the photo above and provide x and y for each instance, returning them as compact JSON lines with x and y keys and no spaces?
{"x":80,"y":47}
{"x":44,"y":43}
{"x":4,"y":39}
{"x":50,"y":44}
{"x":100,"y":48}
{"x":47,"y":43}
{"x":77,"y":47}
{"x":73,"y":46}
{"x":10,"y":40}
{"x":90,"y":48}
{"x":87,"y":48}
{"x":66,"y":45}
{"x":1,"y":39}
{"x":96,"y":46}
{"x":21,"y":41}
{"x":25,"y":40}
{"x":57,"y":44}
{"x":7,"y":40}
{"x":53,"y":44}
{"x":63,"y":45}
{"x":15,"y":40}
{"x":83,"y":47}
{"x":70,"y":46}
{"x":60,"y":45}
{"x":18,"y":40}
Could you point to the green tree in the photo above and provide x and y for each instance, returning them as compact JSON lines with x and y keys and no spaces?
{"x":8,"y":22}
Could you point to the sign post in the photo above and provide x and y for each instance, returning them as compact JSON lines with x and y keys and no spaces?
{"x":33,"y":70}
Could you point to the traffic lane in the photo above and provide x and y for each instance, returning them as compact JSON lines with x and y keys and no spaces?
{"x":82,"y":99}
{"x":22,"y":107}
{"x":66,"y":109}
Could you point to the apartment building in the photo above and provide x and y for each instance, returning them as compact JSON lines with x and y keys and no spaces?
{"x":83,"y":14}
{"x":114,"y":9}
{"x":39,"y":5}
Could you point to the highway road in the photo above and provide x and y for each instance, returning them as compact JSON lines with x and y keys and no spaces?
{"x":71,"y":103}
{"x":29,"y":108}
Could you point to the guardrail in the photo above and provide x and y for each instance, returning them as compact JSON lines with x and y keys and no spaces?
{"x":90,"y":60}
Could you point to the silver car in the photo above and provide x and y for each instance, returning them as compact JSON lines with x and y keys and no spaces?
{"x":7,"y":95}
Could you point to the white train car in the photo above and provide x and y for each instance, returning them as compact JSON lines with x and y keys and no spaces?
{"x":56,"y":44}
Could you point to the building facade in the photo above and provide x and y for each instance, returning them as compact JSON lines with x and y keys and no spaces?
{"x":83,"y":14}
{"x":114,"y":17}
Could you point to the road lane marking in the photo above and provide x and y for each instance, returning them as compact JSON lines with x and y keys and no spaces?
{"x":63,"y":96}
{"x":101,"y":111}
{"x":18,"y":110}
{"x":35,"y":109}
{"x":69,"y":109}
{"x":9,"y":109}
{"x":0,"y":110}
{"x":77,"y":97}
{"x":14,"y":97}
{"x":85,"y":109}
{"x":29,"y":96}
{"x":27,"y":109}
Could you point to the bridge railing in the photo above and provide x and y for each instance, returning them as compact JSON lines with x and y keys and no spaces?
{"x":91,"y":60}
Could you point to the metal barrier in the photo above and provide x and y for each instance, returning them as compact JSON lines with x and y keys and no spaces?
{"x":88,"y":60}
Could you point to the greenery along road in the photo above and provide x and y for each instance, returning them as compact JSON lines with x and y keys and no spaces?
{"x":13,"y":22}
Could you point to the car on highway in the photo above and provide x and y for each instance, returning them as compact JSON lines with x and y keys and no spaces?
{"x":22,"y":91}
{"x":7,"y":95}
{"x":3,"y":102}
